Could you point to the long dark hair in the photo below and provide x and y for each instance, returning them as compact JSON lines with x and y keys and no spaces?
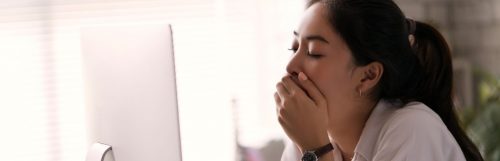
{"x":377,"y":30}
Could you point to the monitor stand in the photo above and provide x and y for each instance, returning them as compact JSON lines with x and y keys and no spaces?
{"x":98,"y":151}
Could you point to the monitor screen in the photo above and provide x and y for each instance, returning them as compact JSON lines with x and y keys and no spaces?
{"x":130,"y":91}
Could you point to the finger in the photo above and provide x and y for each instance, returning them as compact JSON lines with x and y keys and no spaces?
{"x":292,"y":87}
{"x":280,"y":111}
{"x":277,"y":98}
{"x":281,"y":90}
{"x":311,"y":89}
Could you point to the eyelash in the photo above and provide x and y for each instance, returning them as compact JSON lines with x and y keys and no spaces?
{"x":316,"y":56}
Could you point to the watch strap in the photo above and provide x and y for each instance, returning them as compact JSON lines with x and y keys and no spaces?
{"x":323,"y":150}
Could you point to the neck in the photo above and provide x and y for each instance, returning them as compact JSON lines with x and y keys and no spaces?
{"x":346,"y":126}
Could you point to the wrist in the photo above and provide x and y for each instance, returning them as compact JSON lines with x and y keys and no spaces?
{"x":318,"y":154}
{"x":314,"y":144}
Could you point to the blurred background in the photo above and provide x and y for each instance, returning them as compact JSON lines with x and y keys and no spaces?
{"x":229,"y":55}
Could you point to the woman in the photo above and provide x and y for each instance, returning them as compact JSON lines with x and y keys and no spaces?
{"x":365,"y":83}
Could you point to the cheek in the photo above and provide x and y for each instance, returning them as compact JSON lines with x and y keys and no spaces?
{"x":333,"y":81}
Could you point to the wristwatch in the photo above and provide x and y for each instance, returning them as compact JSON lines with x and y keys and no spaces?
{"x":314,"y":155}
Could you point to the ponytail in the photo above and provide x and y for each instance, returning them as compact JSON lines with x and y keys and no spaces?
{"x":436,"y":85}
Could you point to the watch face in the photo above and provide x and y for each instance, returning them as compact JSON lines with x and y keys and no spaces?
{"x":309,"y":156}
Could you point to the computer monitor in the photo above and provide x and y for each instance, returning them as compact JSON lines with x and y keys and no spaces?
{"x":130,"y":88}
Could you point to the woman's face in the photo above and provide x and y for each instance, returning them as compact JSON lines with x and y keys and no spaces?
{"x":324,"y":57}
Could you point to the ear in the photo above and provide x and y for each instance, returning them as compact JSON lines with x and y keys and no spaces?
{"x":370,"y":76}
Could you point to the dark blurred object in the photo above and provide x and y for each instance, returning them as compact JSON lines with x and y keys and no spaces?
{"x":270,"y":152}
{"x":482,"y":122}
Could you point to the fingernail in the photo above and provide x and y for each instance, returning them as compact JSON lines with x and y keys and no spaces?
{"x":302,"y":76}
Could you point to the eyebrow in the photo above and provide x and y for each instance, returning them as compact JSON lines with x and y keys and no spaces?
{"x":313,"y":37}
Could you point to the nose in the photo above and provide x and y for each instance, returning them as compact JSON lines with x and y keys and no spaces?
{"x":294,"y":66}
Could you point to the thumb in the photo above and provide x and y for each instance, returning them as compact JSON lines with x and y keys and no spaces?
{"x":311,"y":89}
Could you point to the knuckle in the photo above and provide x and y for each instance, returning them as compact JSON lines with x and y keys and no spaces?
{"x":281,"y":112}
{"x":285,"y":103}
{"x":281,"y":120}
{"x":283,"y":79}
{"x":288,"y":103}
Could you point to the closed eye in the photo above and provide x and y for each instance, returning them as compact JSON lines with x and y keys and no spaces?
{"x":313,"y":55}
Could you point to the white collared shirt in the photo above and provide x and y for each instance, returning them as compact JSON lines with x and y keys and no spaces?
{"x":393,"y":133}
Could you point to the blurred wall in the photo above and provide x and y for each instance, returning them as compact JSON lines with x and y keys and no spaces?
{"x":471,"y":27}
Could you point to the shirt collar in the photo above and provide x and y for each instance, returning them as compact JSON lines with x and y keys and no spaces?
{"x":371,"y":130}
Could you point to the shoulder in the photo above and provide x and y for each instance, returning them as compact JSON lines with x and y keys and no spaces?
{"x":414,"y":117}
{"x":415,"y":131}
